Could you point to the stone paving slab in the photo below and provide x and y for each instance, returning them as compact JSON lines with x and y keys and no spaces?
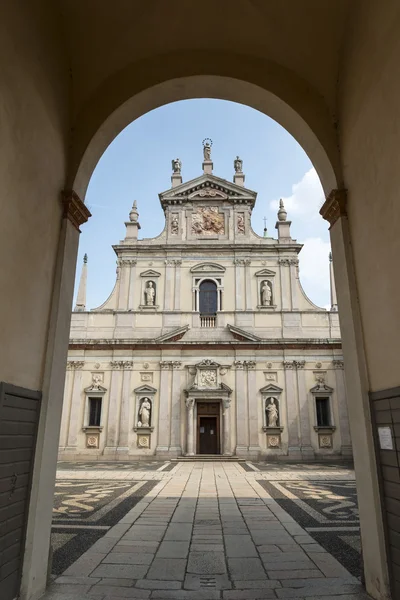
{"x":207,"y":531}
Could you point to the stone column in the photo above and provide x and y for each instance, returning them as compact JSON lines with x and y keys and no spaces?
{"x":294,"y":266}
{"x":291,"y":409}
{"x":175,"y":443}
{"x":342,"y":408}
{"x":177,"y":296}
{"x":164,"y":411}
{"x":123,"y":446}
{"x":242,"y":430}
{"x":169,"y":273}
{"x":238,"y":262}
{"x":254,"y":429}
{"x":76,"y":403}
{"x":285,"y":285}
{"x":247,"y":263}
{"x":226,"y":405}
{"x":373,"y":540}
{"x":190,"y":427}
{"x":307,"y":450}
{"x":132,"y":286}
{"x":113,"y":406}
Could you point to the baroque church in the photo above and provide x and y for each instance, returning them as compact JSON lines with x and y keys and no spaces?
{"x":207,"y":345}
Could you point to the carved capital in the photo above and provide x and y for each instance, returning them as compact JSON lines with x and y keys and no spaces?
{"x":126,"y":262}
{"x":121,"y":364}
{"x":334,"y":206}
{"x":250,"y":364}
{"x":176,"y":364}
{"x":74,"y":365}
{"x":338,"y":364}
{"x":226,"y":403}
{"x":286,"y":262}
{"x":299,"y":364}
{"x":289,"y":364}
{"x":189,"y":403}
{"x":239,"y":364}
{"x":74,"y":209}
{"x":165,"y":365}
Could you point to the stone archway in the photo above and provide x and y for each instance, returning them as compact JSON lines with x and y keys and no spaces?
{"x":304,"y":114}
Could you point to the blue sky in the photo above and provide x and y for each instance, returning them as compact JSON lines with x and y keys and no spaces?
{"x":137,"y":166}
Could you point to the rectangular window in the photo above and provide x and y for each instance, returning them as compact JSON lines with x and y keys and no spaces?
{"x":323,"y":412}
{"x":94,"y":412}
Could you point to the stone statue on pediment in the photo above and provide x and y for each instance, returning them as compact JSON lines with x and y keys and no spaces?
{"x":176,"y":166}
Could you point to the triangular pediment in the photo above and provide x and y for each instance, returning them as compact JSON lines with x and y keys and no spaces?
{"x":241,"y":335}
{"x":207,"y":363}
{"x":145,"y":389}
{"x":265,"y":273}
{"x":95,"y":389}
{"x":174,"y":335}
{"x":321,"y":388}
{"x":208,"y":268}
{"x":205,"y":188}
{"x":271,"y":389}
{"x":150,"y":273}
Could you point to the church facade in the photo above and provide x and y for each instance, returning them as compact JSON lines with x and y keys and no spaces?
{"x":207,"y":344}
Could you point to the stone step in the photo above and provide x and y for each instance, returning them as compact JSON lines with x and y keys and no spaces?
{"x":208,"y":458}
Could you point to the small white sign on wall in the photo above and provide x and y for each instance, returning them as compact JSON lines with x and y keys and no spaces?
{"x":385,"y":438}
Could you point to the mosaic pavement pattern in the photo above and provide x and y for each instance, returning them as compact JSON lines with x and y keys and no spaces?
{"x":205,"y":531}
{"x":328,"y":511}
{"x":85,"y":510}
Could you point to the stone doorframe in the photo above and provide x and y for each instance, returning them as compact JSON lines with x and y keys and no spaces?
{"x":221,"y":396}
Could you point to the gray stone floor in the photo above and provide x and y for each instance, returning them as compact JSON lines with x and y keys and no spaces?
{"x":206,"y":531}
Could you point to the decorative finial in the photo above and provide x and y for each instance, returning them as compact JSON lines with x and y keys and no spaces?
{"x":134,"y":215}
{"x":282,"y":214}
{"x":238,"y":165}
{"x":176,"y":166}
{"x":85,"y":259}
{"x":330,"y":257}
{"x":207,"y":143}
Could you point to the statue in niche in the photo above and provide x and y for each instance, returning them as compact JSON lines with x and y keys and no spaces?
{"x":176,"y":166}
{"x":272,"y":413}
{"x":240,"y":223}
{"x":266,"y":294}
{"x":144,"y":413}
{"x":174,"y":224}
{"x":150,"y":294}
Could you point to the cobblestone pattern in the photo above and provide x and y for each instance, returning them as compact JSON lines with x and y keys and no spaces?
{"x":207,"y":531}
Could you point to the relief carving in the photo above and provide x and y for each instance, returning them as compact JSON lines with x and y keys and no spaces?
{"x":208,"y":221}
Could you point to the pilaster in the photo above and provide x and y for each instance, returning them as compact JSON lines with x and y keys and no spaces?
{"x":292,"y":409}
{"x":239,"y":281}
{"x":177,"y":295}
{"x":132,"y":286}
{"x":123,"y":442}
{"x":373,"y":540}
{"x":342,"y":408}
{"x":247,"y":263}
{"x":284,"y":263}
{"x":169,"y":274}
{"x":76,"y":402}
{"x":242,"y":428}
{"x":175,"y":443}
{"x":254,"y":427}
{"x":164,"y":409}
{"x":307,"y":450}
{"x":114,"y":406}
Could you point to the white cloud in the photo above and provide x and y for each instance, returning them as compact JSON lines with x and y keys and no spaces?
{"x":314,"y":270}
{"x":307,"y":197}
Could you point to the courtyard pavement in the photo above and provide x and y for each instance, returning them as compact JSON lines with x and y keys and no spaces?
{"x":212,"y":530}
